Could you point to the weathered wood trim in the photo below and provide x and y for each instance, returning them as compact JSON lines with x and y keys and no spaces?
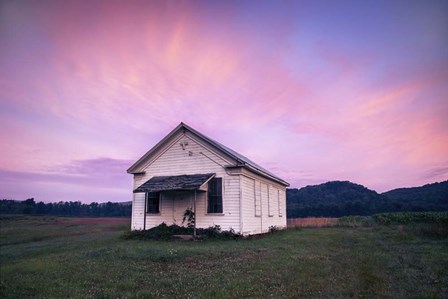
{"x":263,"y":174}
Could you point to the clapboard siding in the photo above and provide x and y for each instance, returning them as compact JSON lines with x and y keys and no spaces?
{"x":273,"y":201}
{"x":264,"y":206}
{"x":251,"y":223}
{"x":275,"y":218}
{"x":138,"y":203}
{"x":257,"y":205}
{"x":193,"y":158}
{"x":272,"y":204}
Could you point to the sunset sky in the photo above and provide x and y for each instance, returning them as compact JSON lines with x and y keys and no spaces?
{"x":312,"y":90}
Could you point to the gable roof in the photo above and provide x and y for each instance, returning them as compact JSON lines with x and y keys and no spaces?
{"x":242,"y":161}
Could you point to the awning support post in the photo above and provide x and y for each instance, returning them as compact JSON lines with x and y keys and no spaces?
{"x":144,"y":211}
{"x":194,"y":215}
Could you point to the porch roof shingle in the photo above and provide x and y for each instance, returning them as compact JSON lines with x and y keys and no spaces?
{"x":175,"y":183}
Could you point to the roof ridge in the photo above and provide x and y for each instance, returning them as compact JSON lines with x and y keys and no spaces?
{"x":232,"y":153}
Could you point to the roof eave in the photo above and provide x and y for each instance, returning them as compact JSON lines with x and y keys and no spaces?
{"x":261,"y":173}
{"x":137,"y":172}
{"x":175,"y":183}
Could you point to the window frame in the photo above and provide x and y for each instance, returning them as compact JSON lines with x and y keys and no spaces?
{"x":215,"y":196}
{"x":149,"y":195}
{"x":270,"y":202}
{"x":280,"y":203}
{"x":257,"y":199}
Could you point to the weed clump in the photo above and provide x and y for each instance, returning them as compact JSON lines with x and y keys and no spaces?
{"x":274,"y":229}
{"x":161,"y":232}
{"x":169,"y":232}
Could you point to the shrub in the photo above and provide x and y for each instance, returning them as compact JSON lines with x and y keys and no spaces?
{"x":161,"y":232}
{"x":165,"y":232}
{"x":215,"y":232}
{"x":212,"y":232}
{"x":411,"y":217}
{"x":189,"y":217}
{"x":274,"y":229}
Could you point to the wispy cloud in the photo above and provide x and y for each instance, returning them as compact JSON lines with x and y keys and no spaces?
{"x":105,"y":167}
{"x":316,"y":93}
{"x":100,"y":179}
{"x":437,"y":173}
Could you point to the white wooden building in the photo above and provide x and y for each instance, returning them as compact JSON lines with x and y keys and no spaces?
{"x":188,"y":170}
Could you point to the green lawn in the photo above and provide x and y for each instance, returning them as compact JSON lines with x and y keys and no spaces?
{"x":50,"y":257}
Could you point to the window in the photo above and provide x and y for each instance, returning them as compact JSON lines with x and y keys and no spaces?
{"x":271,"y":200}
{"x":257,"y":190}
{"x":153,"y":205}
{"x":214,"y":196}
{"x":280,"y":203}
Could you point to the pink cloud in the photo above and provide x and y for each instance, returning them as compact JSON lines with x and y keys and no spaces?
{"x":81,"y":80}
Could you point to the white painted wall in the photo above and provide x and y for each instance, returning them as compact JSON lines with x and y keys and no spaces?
{"x":194,"y":158}
{"x":261,"y":202}
{"x":273,"y":204}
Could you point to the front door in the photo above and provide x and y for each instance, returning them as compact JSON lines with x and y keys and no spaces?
{"x":181,"y":202}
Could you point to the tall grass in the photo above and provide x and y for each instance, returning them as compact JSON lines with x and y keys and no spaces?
{"x":312,"y":222}
{"x":62,"y":258}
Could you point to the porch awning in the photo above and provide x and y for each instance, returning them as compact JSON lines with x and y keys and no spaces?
{"x":175,"y":183}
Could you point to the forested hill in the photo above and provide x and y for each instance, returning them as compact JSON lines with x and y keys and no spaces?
{"x":336,"y":199}
{"x":332,"y":199}
{"x":435,"y":194}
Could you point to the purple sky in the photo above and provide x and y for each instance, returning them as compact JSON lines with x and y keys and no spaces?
{"x":312,"y":90}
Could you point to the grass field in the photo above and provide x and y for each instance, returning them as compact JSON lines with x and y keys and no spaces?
{"x":51,"y":257}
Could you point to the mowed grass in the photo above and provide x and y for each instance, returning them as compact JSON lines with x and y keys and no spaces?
{"x":51,"y":257}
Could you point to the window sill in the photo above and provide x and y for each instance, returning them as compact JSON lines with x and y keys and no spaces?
{"x":214,"y":214}
{"x":153,"y":214}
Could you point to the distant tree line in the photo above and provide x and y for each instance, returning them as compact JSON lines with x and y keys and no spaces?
{"x":67,"y":208}
{"x":337,"y":199}
{"x":331,"y":199}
